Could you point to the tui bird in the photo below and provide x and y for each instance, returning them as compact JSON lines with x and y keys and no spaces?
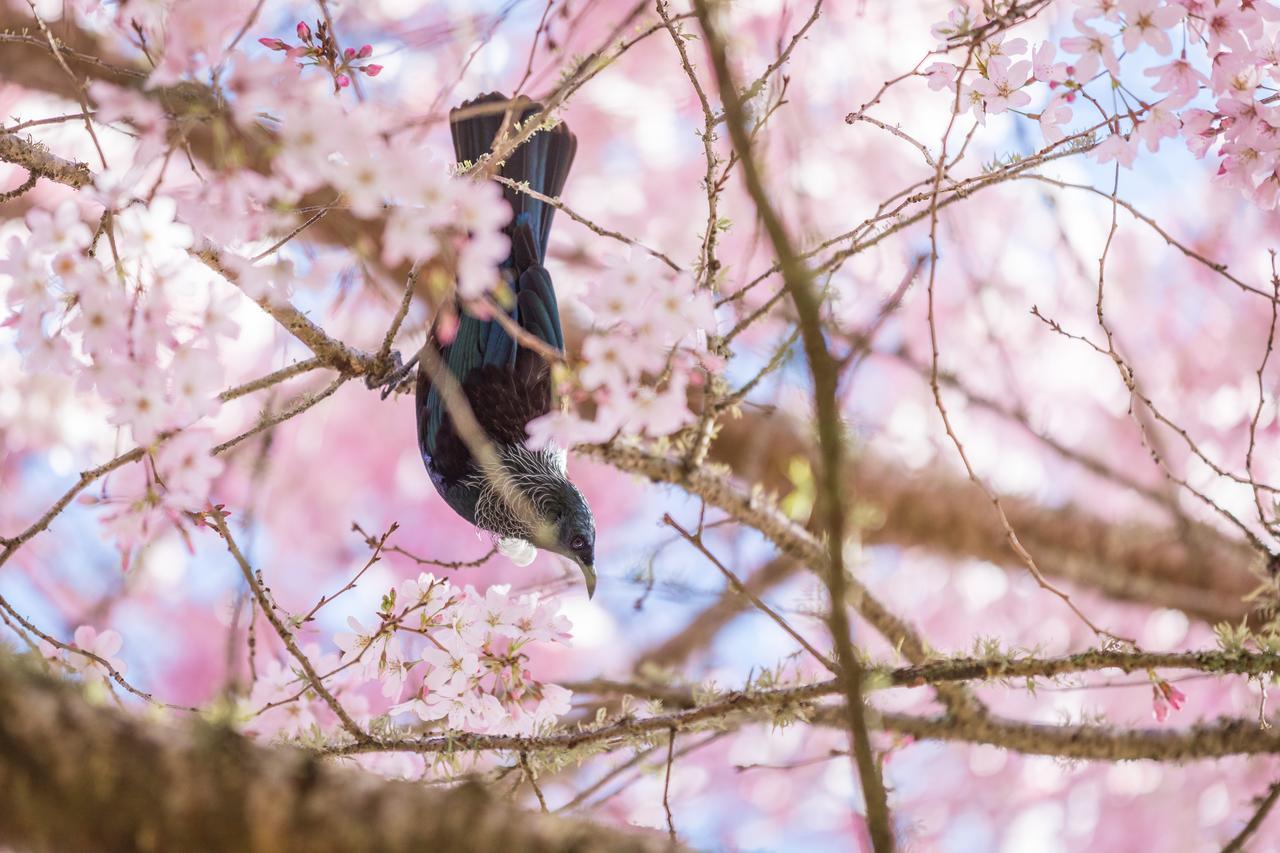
{"x":508,"y":384}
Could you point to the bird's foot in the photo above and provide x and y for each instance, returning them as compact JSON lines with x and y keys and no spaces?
{"x":395,"y":379}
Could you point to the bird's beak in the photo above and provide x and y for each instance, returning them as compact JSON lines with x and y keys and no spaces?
{"x":589,"y":575}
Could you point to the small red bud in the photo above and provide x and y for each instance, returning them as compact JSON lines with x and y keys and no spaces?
{"x":343,"y":81}
{"x":372,"y":70}
{"x":274,"y":44}
{"x":304,"y":32}
{"x":349,"y":53}
{"x":366,"y":51}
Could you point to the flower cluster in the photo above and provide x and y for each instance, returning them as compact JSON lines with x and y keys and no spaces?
{"x":185,"y":38}
{"x":169,"y":489}
{"x":456,"y":220}
{"x":649,"y":336}
{"x":281,"y":705}
{"x":1217,"y":89}
{"x":378,"y":169}
{"x":135,"y":333}
{"x":460,"y":655}
{"x":320,"y":49}
{"x":380,"y":173}
{"x":119,"y":330}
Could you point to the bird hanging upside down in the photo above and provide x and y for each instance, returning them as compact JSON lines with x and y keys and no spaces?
{"x":506,"y":383}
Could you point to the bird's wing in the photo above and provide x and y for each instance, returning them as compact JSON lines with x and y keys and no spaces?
{"x":507,"y":384}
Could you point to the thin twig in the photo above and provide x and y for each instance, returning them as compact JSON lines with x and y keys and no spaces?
{"x":268,"y":608}
{"x":696,"y":541}
{"x":666,"y":785}
{"x":523,"y":187}
{"x":1236,"y":844}
{"x":533,"y":782}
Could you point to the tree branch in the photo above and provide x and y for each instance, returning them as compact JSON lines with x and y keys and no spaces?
{"x":38,"y":160}
{"x":832,"y":502}
{"x":146,"y":785}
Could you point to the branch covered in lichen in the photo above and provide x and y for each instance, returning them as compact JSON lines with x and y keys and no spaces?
{"x":41,"y":162}
{"x":140,"y":784}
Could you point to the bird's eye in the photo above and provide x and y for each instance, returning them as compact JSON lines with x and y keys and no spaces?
{"x":577,"y":542}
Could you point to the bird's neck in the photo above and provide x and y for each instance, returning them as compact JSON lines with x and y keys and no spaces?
{"x":529,"y":479}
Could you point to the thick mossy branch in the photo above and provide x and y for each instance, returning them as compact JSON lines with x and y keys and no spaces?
{"x":78,"y":777}
{"x":39,"y":161}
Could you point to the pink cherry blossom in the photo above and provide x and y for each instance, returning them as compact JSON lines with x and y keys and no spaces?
{"x":1198,"y":128}
{"x":1057,"y":113}
{"x":1095,"y":50}
{"x":1222,"y":23}
{"x":1158,"y":124}
{"x":1106,"y":9}
{"x":105,"y":645}
{"x":1044,"y":68}
{"x":1118,"y":148}
{"x":151,"y":232}
{"x":1164,"y":698}
{"x":941,"y":75}
{"x":186,"y":468}
{"x":608,"y":361}
{"x":61,"y":230}
{"x":477,"y":262}
{"x":1178,"y":79}
{"x":1001,"y":88}
{"x":1147,"y":21}
{"x":1159,"y":706}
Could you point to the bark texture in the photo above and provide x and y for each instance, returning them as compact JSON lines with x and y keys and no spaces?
{"x":78,"y":777}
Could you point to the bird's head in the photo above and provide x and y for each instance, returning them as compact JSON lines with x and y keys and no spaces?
{"x":573,"y":532}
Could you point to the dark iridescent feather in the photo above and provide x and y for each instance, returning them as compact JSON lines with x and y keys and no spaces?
{"x":507,"y":385}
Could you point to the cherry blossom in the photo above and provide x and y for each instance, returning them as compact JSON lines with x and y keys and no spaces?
{"x":1044,"y":68}
{"x":1095,"y":50}
{"x":1164,"y":698}
{"x":941,"y":75}
{"x":187,"y":469}
{"x":1001,"y":88}
{"x":460,"y":654}
{"x":1147,"y":21}
{"x":1057,"y":113}
{"x":105,"y":645}
{"x":1179,"y":79}
{"x":151,"y":232}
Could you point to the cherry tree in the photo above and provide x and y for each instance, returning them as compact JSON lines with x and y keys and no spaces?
{"x":919,"y":371}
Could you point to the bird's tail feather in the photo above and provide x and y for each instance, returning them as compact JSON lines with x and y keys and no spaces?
{"x":543,"y":160}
